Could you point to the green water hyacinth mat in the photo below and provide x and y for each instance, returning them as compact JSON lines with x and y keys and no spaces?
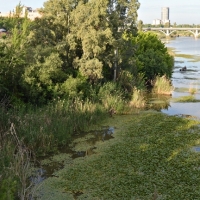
{"x":152,"y":156}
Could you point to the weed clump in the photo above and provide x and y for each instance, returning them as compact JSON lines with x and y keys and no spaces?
{"x":192,"y":90}
{"x":137,"y":100}
{"x":162,"y":85}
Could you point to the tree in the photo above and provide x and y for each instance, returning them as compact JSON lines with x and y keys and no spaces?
{"x":151,"y":56}
{"x":13,"y":60}
{"x":79,"y":35}
{"x":175,"y":24}
{"x":167,"y":25}
{"x":94,"y":34}
{"x":42,"y":79}
{"x":88,"y":30}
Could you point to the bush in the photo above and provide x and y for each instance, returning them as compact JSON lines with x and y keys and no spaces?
{"x":128,"y":81}
{"x":111,"y":97}
{"x":71,"y":88}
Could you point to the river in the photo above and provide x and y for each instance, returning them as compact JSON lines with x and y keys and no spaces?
{"x":187,"y":53}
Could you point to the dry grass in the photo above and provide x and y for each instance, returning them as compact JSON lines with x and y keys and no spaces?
{"x":137,"y":100}
{"x":192,"y":89}
{"x":162,"y":85}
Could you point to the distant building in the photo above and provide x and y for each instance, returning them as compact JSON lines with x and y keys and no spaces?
{"x":31,"y":14}
{"x":156,"y":22}
{"x":165,"y":15}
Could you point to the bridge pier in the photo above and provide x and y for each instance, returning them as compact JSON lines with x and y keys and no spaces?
{"x":167,"y":33}
{"x":196,"y":33}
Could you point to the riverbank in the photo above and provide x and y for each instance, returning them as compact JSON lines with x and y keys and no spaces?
{"x":152,"y":156}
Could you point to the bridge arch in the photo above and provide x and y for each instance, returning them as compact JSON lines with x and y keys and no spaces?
{"x":196,"y":33}
{"x":169,"y":31}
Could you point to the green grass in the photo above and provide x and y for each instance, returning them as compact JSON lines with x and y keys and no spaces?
{"x":186,"y":99}
{"x":151,"y":155}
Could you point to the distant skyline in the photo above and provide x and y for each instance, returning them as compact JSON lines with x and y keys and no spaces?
{"x":181,"y":11}
{"x":9,"y":5}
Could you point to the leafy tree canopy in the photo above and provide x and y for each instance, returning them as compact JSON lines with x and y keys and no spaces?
{"x":151,"y":56}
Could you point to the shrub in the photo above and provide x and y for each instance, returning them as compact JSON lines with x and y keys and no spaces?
{"x":128,"y":81}
{"x":111,"y":96}
{"x":71,"y":87}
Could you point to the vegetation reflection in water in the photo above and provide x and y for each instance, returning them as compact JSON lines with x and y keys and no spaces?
{"x":141,"y":162}
{"x":82,"y":145}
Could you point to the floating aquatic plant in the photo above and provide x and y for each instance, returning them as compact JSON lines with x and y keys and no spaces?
{"x":150,"y":155}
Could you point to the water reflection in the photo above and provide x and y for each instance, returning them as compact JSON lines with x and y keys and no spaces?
{"x":183,"y":108}
{"x":86,"y":147}
{"x":157,"y":101}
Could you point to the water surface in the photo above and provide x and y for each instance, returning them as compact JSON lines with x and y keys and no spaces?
{"x":187,"y":52}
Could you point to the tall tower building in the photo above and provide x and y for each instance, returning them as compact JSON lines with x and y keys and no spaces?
{"x":165,"y":15}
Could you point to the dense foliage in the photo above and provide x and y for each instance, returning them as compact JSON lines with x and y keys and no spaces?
{"x":151,"y":56}
{"x":74,"y":45}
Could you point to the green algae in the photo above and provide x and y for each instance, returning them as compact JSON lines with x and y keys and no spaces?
{"x":186,"y":99}
{"x":150,"y":154}
{"x":192,"y":58}
{"x":59,"y":158}
{"x":181,"y":89}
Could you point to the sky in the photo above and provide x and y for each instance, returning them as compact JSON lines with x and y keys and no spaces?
{"x":9,"y":5}
{"x":181,"y":11}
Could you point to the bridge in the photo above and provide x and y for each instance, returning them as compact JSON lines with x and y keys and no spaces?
{"x":169,"y":31}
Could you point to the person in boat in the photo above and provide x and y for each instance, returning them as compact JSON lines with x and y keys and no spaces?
{"x":183,"y":68}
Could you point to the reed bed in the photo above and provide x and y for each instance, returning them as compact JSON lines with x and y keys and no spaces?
{"x":162,"y":85}
{"x":137,"y":100}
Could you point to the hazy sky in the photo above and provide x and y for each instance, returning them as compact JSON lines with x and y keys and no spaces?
{"x":9,"y":5}
{"x":181,"y":11}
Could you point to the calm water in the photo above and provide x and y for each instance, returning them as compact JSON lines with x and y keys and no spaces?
{"x":183,"y":81}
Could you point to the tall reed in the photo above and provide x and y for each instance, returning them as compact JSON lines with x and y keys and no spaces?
{"x":162,"y":85}
{"x":44,"y":129}
{"x":193,"y":90}
{"x":111,"y":97}
{"x":15,"y":166}
{"x":137,"y":100}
